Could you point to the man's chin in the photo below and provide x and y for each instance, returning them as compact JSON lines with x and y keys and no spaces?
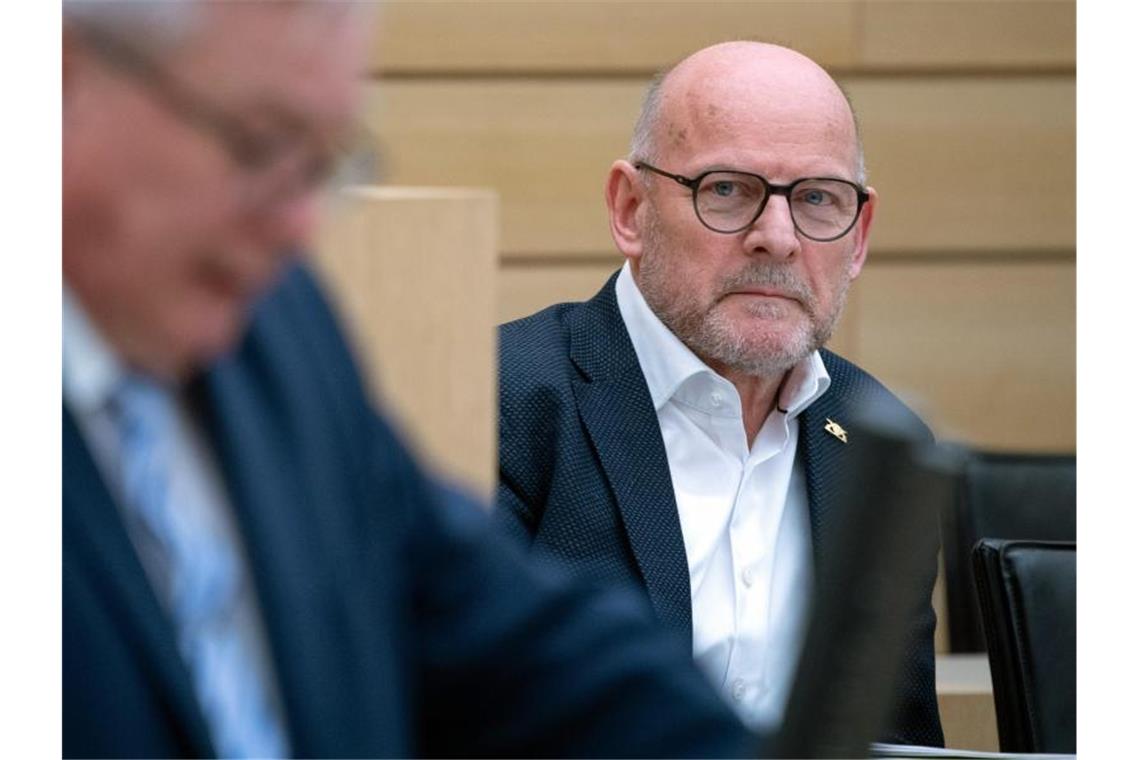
{"x":210,"y":345}
{"x":769,"y":348}
{"x":197,"y":343}
{"x":781,"y":332}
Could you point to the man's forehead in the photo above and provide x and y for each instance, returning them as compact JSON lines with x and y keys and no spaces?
{"x":252,"y":30}
{"x":756,"y":106}
{"x":276,"y":51}
{"x":716,"y":110}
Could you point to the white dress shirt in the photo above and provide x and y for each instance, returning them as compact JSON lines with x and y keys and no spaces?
{"x":743,"y":512}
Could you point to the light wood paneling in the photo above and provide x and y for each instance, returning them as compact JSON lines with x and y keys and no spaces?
{"x":985,"y":165}
{"x":616,"y":36}
{"x":527,"y":288}
{"x":414,"y":272}
{"x":962,"y":35}
{"x":966,"y":701}
{"x":985,"y":351}
{"x":544,"y":146}
{"x":632,"y":36}
{"x":969,"y":721}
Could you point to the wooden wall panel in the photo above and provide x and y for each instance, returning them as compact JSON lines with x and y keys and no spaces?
{"x":414,"y":273}
{"x":526,"y":288}
{"x":627,"y":37}
{"x":614,"y":36}
{"x":966,"y":701}
{"x":985,"y":350}
{"x":964,"y":164}
{"x":545,"y":146}
{"x":980,"y":165}
{"x":982,"y":34}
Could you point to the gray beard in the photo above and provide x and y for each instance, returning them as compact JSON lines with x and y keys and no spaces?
{"x":711,"y":335}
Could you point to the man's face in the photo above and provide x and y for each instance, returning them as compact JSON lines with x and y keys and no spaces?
{"x":759,"y":300}
{"x":167,"y":238}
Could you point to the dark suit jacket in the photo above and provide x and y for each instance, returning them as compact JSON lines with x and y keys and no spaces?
{"x":400,"y":621}
{"x":584,"y":474}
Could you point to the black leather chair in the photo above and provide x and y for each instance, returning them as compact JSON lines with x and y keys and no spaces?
{"x":1028,"y":593}
{"x":1010,"y":495}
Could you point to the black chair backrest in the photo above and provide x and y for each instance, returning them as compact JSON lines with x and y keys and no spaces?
{"x":1028,"y":593}
{"x":1012,"y":496}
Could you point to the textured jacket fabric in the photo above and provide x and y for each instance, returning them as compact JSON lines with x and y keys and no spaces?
{"x":584,"y":477}
{"x":399,"y":621}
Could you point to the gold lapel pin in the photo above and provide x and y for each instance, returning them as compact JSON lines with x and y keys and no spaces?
{"x":835,"y":429}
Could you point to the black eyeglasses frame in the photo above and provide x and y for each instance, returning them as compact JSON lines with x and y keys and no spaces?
{"x":770,"y":189}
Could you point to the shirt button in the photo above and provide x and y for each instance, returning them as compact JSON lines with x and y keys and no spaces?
{"x":738,"y":689}
{"x":748,"y":577}
{"x":716,"y":399}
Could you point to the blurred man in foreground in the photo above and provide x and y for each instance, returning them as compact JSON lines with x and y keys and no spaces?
{"x":683,"y":430}
{"x":252,"y":565}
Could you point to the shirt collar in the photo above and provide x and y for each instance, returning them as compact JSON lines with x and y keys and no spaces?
{"x":668,"y":364}
{"x":805,"y":383}
{"x":91,"y":369}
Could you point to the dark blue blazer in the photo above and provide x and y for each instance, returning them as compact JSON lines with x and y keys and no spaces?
{"x":583,"y":472}
{"x":400,"y":622}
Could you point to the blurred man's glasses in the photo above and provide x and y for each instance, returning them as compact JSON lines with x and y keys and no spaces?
{"x":822,"y":208}
{"x":289,"y":163}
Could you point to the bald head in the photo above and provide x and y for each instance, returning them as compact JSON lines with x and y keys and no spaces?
{"x":744,"y":88}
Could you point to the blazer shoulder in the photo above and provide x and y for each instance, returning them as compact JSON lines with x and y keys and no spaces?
{"x":536,"y":376}
{"x":535,"y":354}
{"x":538,"y":413}
{"x":536,"y":339}
{"x":550,"y":345}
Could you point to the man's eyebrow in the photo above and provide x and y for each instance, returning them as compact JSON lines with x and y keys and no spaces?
{"x":727,"y":168}
{"x":722,"y":167}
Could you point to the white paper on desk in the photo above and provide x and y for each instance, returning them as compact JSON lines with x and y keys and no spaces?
{"x":882,"y":749}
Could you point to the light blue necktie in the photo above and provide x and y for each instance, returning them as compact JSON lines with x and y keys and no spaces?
{"x":197,"y":575}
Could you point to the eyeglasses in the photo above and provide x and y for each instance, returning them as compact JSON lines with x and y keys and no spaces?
{"x":281,"y":166}
{"x":822,"y":208}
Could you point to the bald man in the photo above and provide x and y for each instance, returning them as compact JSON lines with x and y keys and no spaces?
{"x":683,"y":430}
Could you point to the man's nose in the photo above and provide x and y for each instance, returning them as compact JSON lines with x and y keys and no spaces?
{"x":773,"y":233}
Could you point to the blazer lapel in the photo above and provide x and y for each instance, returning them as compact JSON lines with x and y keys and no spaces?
{"x":618,"y":413}
{"x":823,"y":456}
{"x":95,"y":541}
{"x":266,"y":482}
{"x":827,"y":458}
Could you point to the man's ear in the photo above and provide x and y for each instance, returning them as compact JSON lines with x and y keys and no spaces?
{"x":862,"y":233}
{"x":625,"y":196}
